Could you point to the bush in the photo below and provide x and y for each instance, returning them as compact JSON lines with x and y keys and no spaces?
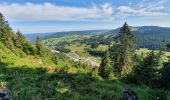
{"x":28,"y":48}
{"x":55,"y":58}
{"x":158,"y":95}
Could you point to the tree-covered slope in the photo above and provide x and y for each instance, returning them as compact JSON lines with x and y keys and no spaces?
{"x":151,"y":37}
{"x":62,"y":34}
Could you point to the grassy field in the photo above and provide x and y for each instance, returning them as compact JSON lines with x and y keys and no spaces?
{"x":69,"y":39}
{"x":81,"y":50}
{"x":144,"y":52}
{"x":101,"y":47}
{"x":27,"y":83}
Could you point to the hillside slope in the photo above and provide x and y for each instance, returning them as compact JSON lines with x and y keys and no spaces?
{"x":31,"y":78}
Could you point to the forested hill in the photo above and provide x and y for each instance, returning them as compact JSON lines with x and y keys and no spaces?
{"x":85,"y":32}
{"x":142,"y":29}
{"x":32,"y":36}
{"x":151,"y":37}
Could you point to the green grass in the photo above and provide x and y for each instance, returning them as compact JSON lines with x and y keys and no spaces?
{"x":143,"y":52}
{"x":54,"y":41}
{"x":29,"y":83}
{"x":69,"y":39}
{"x":146,"y":51}
{"x":101,"y":47}
{"x":80,"y":49}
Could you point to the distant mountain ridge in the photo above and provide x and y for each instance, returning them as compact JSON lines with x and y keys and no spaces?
{"x":32,"y":37}
{"x":152,"y":37}
{"x":83,"y":32}
{"x":144,"y":28}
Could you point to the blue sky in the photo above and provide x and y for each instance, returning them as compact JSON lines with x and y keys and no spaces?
{"x":36,"y":16}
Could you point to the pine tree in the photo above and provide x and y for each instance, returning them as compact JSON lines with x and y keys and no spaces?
{"x":165,"y":76}
{"x":148,"y":71}
{"x":3,"y":22}
{"x":39,"y":47}
{"x":28,"y":48}
{"x":122,"y":51}
{"x":20,"y":40}
{"x":23,"y":44}
{"x":7,"y":37}
{"x":105,"y":67}
{"x":12,"y":40}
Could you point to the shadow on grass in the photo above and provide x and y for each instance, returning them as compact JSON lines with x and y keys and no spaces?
{"x":27,"y":83}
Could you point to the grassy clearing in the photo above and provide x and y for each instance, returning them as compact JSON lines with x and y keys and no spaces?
{"x":101,"y":47}
{"x":143,"y":52}
{"x":80,"y":49}
{"x":54,"y":41}
{"x":69,"y":39}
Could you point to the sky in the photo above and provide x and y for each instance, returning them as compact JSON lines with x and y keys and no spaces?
{"x":40,"y":16}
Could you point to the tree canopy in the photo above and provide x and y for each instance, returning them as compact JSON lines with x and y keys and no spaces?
{"x":122,"y":51}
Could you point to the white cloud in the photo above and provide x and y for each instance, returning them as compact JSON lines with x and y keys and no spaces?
{"x":146,"y":12}
{"x":151,"y":9}
{"x":107,"y":8}
{"x":105,"y":12}
{"x":48,"y":11}
{"x":154,"y":6}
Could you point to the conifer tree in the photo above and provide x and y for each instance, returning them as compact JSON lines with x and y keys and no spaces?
{"x":122,"y":51}
{"x":148,"y":71}
{"x":165,"y":76}
{"x":20,"y":40}
{"x":3,"y":22}
{"x":7,"y":37}
{"x":105,"y":67}
{"x":12,"y":40}
{"x":39,"y":47}
{"x":28,"y":48}
{"x":23,"y":44}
